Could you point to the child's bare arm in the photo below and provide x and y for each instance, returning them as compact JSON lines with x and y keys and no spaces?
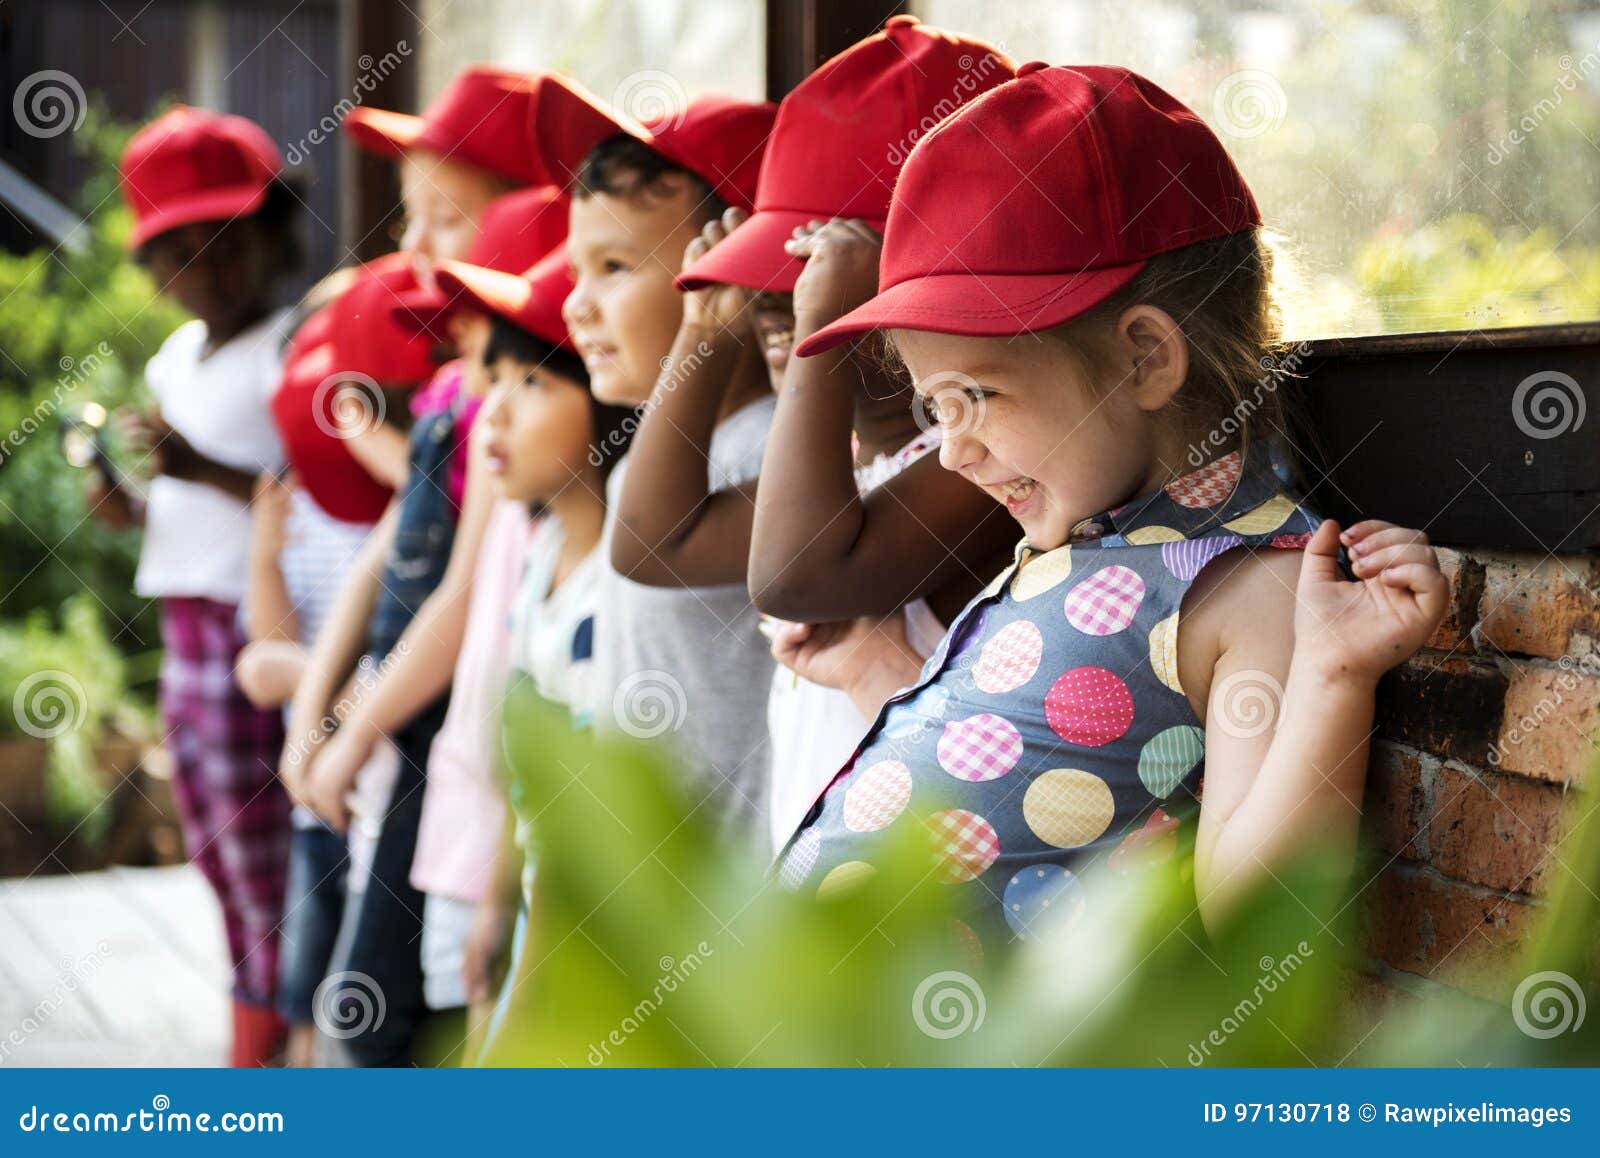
{"x":334,"y":654}
{"x":819,"y":550}
{"x":268,"y":611}
{"x":382,"y":449}
{"x":671,"y":530}
{"x":1272,"y":791}
{"x":423,"y":661}
{"x":165,"y":451}
{"x":110,"y":505}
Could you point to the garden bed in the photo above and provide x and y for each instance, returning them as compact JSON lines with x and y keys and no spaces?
{"x":135,"y":822}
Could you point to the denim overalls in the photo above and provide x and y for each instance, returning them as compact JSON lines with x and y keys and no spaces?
{"x":1049,"y":730}
{"x":386,"y":939}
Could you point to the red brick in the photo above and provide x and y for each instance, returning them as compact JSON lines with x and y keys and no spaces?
{"x":1494,"y":830}
{"x":1458,"y":934}
{"x":1548,"y":607}
{"x":1465,"y":575}
{"x":1396,"y":800}
{"x":1550,"y":724}
{"x":1447,"y":705}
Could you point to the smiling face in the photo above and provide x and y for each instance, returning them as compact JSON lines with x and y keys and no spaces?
{"x":624,"y":311}
{"x":443,"y":202}
{"x":773,"y":314}
{"x":540,"y":429}
{"x":1025,"y":420}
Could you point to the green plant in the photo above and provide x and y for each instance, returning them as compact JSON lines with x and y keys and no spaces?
{"x":76,"y":327}
{"x":1458,"y":273}
{"x":650,"y":947}
{"x":71,"y":686}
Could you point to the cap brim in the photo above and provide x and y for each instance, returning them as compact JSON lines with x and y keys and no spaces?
{"x":975,"y":305}
{"x":380,"y":131}
{"x":752,"y":255}
{"x":566,"y":124}
{"x":479,"y":287}
{"x":423,"y":311}
{"x":211,"y":205}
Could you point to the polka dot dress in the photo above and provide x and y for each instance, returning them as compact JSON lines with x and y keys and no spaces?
{"x":1050,"y":730}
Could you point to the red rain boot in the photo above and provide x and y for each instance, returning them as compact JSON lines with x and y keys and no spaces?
{"x":258,"y":1036}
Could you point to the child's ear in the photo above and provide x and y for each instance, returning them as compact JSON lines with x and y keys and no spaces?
{"x":1157,"y":352}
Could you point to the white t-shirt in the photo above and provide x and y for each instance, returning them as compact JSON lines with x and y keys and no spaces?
{"x":196,"y":538}
{"x":815,"y":729}
{"x":688,"y":666}
{"x":552,"y":631}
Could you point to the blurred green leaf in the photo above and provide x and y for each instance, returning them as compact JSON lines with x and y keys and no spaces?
{"x":650,"y":945}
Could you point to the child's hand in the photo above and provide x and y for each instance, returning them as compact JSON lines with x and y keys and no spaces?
{"x":723,"y":310}
{"x":841,"y":269}
{"x":488,"y":949}
{"x":143,"y":435}
{"x":1361,"y":629}
{"x":867,"y":659}
{"x":109,"y":505}
{"x":332,"y":776}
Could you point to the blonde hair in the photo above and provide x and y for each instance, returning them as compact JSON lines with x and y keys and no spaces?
{"x":1223,"y":295}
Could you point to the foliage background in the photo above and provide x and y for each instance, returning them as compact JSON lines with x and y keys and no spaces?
{"x":57,"y":307}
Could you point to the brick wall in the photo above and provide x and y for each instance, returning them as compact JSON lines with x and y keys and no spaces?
{"x":1479,"y":738}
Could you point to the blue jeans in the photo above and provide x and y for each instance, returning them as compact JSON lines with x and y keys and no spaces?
{"x":313,"y":908}
{"x":383,"y":934}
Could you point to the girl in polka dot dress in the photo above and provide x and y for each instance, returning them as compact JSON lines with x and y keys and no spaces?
{"x":1073,"y":273}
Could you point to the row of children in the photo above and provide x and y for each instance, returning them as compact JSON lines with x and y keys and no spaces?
{"x":667,"y":468}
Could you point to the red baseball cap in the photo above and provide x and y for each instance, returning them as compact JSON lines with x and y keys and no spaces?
{"x":302,"y":409}
{"x":1042,"y":198}
{"x":481,"y":118}
{"x":353,"y":336}
{"x":862,"y":110}
{"x":192,"y":165}
{"x":515,"y":231}
{"x":530,"y":300}
{"x":366,"y":335}
{"x":716,"y":137}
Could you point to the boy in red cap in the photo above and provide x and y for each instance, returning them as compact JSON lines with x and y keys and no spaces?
{"x":1076,"y":330}
{"x":213,"y":225}
{"x":875,"y":530}
{"x":640,"y":194}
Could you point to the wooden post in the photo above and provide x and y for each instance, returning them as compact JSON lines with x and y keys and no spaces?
{"x":801,"y":34}
{"x":369,"y":187}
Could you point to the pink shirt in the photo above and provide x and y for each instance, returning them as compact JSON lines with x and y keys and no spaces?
{"x":440,"y":393}
{"x":463,"y":806}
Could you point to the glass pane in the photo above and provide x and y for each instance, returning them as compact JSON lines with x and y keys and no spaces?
{"x":646,"y":56}
{"x":1434,"y":164}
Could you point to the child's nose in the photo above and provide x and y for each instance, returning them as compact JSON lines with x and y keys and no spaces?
{"x":493,"y":409}
{"x":579,"y":305}
{"x":959,"y":450}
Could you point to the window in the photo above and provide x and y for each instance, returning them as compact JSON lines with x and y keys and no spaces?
{"x":1434,"y":164}
{"x":645,"y":56}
